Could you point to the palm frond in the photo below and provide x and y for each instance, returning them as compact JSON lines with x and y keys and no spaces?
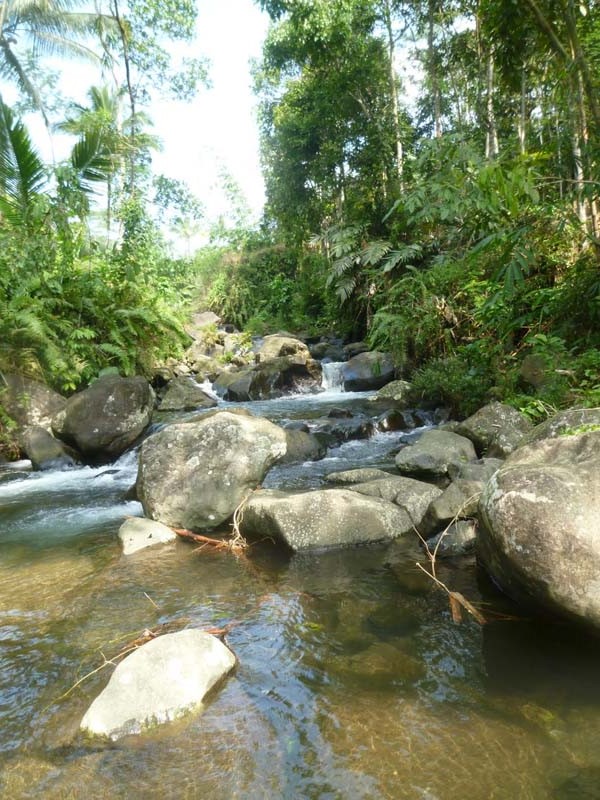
{"x":22,"y":171}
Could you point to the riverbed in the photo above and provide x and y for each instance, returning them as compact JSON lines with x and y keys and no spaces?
{"x":353,"y":681}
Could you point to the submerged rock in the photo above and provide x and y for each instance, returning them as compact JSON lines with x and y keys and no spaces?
{"x":540,"y":516}
{"x":106,"y":418}
{"x":161,"y":681}
{"x":137,"y":533}
{"x":322,"y":519}
{"x":458,"y":539}
{"x":194,"y":474}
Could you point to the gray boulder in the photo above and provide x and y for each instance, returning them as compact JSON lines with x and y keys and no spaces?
{"x":273,"y":378}
{"x":184,"y":394}
{"x":302,"y":446}
{"x":540,"y":516}
{"x":496,"y":429}
{"x":413,"y":496}
{"x":570,"y":420}
{"x":46,"y":452}
{"x":29,"y":402}
{"x":278,"y":345}
{"x":107,"y":418}
{"x":194,"y":475}
{"x":365,"y":371}
{"x":434,"y":453}
{"x":342,"y":429}
{"x":398,"y":391}
{"x":322,"y":519}
{"x":137,"y":533}
{"x":458,"y":501}
{"x":161,"y":681}
{"x":481,"y":470}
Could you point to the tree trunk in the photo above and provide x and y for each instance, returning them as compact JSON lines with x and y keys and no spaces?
{"x":432,"y":69}
{"x":491,"y":138}
{"x":387,"y":18}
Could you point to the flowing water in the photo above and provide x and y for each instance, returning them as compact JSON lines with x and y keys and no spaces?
{"x":353,"y":682}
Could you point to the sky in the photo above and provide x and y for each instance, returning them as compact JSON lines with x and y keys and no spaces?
{"x":216,"y":130}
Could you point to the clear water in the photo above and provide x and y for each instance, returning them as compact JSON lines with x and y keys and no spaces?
{"x":353,"y":681}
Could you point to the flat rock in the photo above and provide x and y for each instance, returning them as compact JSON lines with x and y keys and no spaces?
{"x":322,"y":519}
{"x":137,"y":533}
{"x":161,"y":681}
{"x":411,"y":495}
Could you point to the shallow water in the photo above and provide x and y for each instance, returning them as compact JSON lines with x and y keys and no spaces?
{"x":353,"y":682}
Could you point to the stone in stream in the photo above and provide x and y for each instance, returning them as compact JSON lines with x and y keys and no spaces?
{"x":540,"y":524}
{"x":496,"y":429}
{"x":434,"y":454}
{"x":45,"y":451}
{"x":137,"y":533}
{"x":161,"y":681}
{"x":414,"y":497}
{"x":302,"y":446}
{"x":195,"y":474}
{"x":106,"y":418}
{"x":184,"y":394}
{"x":322,"y":519}
{"x":458,"y":539}
{"x":360,"y":475}
{"x":29,"y":402}
{"x":365,"y":371}
{"x":458,"y":501}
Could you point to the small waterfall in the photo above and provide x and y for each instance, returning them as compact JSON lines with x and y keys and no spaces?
{"x":332,"y":379}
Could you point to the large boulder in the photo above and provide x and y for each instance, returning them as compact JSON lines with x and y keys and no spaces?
{"x":46,"y":452}
{"x":458,"y":501}
{"x":571,"y":420}
{"x":194,"y":475}
{"x":397,"y":391}
{"x":322,"y":519}
{"x":137,"y":533}
{"x":106,"y":418}
{"x":413,"y":496}
{"x":273,"y":378}
{"x":302,"y":446}
{"x":540,"y":517}
{"x":29,"y":402}
{"x":185,"y":394}
{"x":161,"y":681}
{"x":277,"y":345}
{"x":434,"y":453}
{"x":365,"y":371}
{"x":496,"y":429}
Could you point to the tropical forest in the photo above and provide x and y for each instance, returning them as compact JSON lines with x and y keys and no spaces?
{"x":301,"y":500}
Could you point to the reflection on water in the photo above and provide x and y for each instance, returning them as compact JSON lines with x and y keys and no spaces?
{"x":353,"y":682}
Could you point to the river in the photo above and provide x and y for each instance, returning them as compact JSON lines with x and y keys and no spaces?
{"x":353,"y":682}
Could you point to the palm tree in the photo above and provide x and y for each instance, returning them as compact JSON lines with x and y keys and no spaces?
{"x":24,"y":178}
{"x":49,"y":27}
{"x":101,"y":122}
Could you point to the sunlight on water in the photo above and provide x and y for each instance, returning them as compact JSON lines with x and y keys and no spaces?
{"x":353,"y":682}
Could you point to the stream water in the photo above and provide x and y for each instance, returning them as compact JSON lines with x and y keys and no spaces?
{"x":353,"y":682}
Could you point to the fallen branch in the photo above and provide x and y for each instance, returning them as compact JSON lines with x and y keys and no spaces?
{"x":458,"y":602}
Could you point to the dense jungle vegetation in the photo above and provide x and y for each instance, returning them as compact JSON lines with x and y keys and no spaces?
{"x":450,"y":217}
